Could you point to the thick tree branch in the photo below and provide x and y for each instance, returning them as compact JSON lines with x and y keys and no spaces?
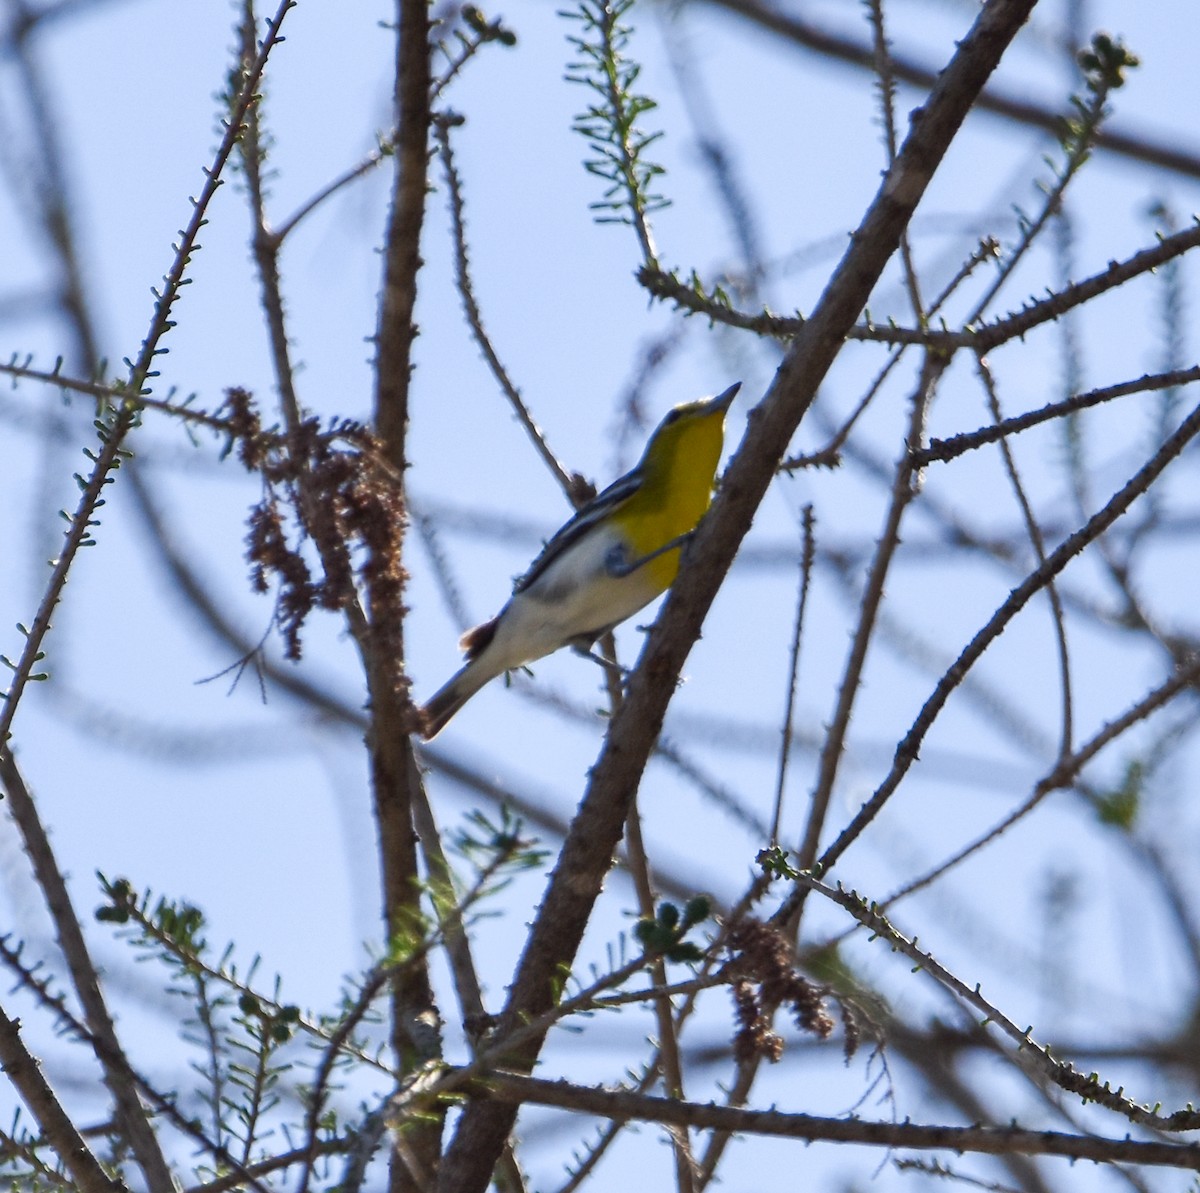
{"x":416,"y":1035}
{"x":588,"y":851}
{"x":24,"y":1072}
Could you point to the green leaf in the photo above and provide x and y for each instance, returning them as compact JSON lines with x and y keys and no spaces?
{"x":1119,"y":806}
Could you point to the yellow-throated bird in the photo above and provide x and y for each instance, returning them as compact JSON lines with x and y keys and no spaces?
{"x":611,"y":559}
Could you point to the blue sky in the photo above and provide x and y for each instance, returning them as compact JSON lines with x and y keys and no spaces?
{"x":259,"y":813}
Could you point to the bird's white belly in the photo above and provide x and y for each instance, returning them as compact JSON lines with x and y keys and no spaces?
{"x":576,"y":596}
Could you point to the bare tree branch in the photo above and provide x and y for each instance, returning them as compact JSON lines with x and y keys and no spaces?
{"x":587,"y":853}
{"x":626,"y":1105}
{"x":23,"y":1071}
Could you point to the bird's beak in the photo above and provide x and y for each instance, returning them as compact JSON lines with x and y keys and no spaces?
{"x":724,"y":400}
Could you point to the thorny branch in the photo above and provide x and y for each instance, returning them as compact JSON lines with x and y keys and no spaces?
{"x":1063,"y":1074}
{"x":141,"y":371}
{"x":909,"y":747}
{"x":514,"y":1087}
{"x":587,"y":852}
{"x":621,"y":1104}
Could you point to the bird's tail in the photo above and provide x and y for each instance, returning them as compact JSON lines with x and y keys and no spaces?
{"x":447,"y":700}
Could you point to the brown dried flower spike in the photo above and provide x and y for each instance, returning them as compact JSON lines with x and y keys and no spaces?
{"x":762,"y":958}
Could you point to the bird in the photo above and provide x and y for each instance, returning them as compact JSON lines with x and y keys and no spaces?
{"x":618,"y":552}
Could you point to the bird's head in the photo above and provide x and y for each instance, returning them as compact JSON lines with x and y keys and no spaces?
{"x":694,"y":427}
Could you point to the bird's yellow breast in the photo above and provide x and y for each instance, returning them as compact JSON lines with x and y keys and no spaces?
{"x":679,"y":467}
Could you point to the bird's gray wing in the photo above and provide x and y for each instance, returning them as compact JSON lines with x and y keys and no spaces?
{"x":595,"y":511}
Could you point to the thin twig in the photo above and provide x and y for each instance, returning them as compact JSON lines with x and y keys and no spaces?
{"x":12,"y":1148}
{"x":451,"y":912}
{"x":785,"y":748}
{"x":669,"y":1060}
{"x":1081,"y":141}
{"x":276,"y":1163}
{"x":1137,"y":146}
{"x":904,"y":490}
{"x":618,"y":116}
{"x":1038,"y":542}
{"x":569,"y":483}
{"x":624,"y":1104}
{"x":1056,"y":304}
{"x":118,"y":1075}
{"x":163,"y":1105}
{"x":372,"y":160}
{"x":886,"y":82}
{"x":982,"y":338}
{"x":1064,"y":773}
{"x":113,"y":394}
{"x":141,"y":371}
{"x":1063,"y":1074}
{"x":940,"y":450}
{"x":830,"y":453}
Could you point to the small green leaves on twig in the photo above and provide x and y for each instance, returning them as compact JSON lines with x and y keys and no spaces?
{"x":610,"y":125}
{"x":238,"y":1030}
{"x":493,"y":847}
{"x":774,"y":863}
{"x":1118,"y":807}
{"x":174,"y":926}
{"x":121,"y":901}
{"x":276,"y":1022}
{"x":1104,"y":66}
{"x":1105,"y":62}
{"x":694,"y":298}
{"x":663,"y":935}
{"x":479,"y":33}
{"x":486,"y":30}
